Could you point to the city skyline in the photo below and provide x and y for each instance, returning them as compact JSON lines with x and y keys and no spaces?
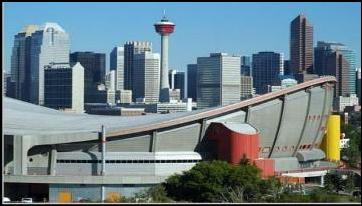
{"x":196,"y":34}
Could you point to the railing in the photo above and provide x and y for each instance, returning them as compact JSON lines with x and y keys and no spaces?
{"x":303,"y":170}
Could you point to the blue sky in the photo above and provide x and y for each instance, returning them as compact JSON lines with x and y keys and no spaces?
{"x":201,"y":28}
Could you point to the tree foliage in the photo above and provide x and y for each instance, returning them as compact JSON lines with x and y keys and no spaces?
{"x":155,"y":194}
{"x":335,"y":183}
{"x":353,"y":132}
{"x":218,"y":181}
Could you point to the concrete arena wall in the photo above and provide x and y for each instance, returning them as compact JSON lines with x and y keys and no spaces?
{"x":327,"y":111}
{"x":265,"y":117}
{"x":314,"y":117}
{"x":291,"y":125}
{"x":180,"y":139}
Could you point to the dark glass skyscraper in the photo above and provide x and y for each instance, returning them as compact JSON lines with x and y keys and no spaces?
{"x":337,"y":65}
{"x":245,"y":68}
{"x":20,"y":63}
{"x":287,"y":70}
{"x":266,"y":70}
{"x":192,"y":81}
{"x":93,"y":63}
{"x":301,"y":45}
{"x":324,"y":51}
{"x":94,"y":71}
{"x":180,"y":83}
{"x":130,"y":49}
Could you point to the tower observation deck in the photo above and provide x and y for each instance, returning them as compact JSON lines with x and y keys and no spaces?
{"x":164,"y":28}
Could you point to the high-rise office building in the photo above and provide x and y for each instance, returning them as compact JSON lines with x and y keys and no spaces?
{"x":287,"y":70}
{"x":337,"y":65}
{"x":171,"y":78}
{"x":146,"y":77}
{"x":20,"y":62}
{"x":301,"y":45}
{"x":246,"y":87}
{"x":180,"y":83}
{"x":116,"y":63}
{"x":50,"y":43}
{"x":245,"y":68}
{"x":111,"y":80}
{"x":9,"y":86}
{"x":324,"y":50}
{"x":131,"y":48}
{"x":218,"y":80}
{"x":192,"y":81}
{"x":266,"y":70}
{"x":94,"y":71}
{"x":93,"y":63}
{"x":64,"y":87}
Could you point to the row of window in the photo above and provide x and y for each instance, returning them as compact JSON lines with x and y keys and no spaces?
{"x":127,"y":161}
{"x":286,"y":148}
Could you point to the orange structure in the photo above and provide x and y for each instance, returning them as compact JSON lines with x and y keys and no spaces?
{"x":235,"y":141}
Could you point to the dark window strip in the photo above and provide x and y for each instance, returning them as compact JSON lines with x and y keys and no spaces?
{"x":126,"y":161}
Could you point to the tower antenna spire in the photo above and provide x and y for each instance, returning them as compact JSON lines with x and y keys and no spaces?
{"x":164,"y":13}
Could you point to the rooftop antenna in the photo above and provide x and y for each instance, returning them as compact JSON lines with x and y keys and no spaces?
{"x":164,"y":18}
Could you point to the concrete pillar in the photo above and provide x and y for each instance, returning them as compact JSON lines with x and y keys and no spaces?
{"x":53,"y":161}
{"x":103,"y":151}
{"x":153,"y":141}
{"x":21,"y":147}
{"x":103,"y":160}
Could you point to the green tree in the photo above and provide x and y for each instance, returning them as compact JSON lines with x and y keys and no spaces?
{"x":218,"y":181}
{"x":353,"y":132}
{"x":269,"y":189}
{"x":334,"y":182}
{"x":158,"y":194}
{"x":203,"y":183}
{"x":155,"y":194}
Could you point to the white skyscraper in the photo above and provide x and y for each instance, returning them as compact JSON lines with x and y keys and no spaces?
{"x":218,"y":80}
{"x":111,"y":80}
{"x":171,"y":78}
{"x":49,"y":44}
{"x":117,"y":64}
{"x":146,"y":76}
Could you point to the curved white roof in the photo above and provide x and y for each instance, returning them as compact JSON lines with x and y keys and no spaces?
{"x":164,"y":23}
{"x":24,"y":118}
{"x":53,"y":25}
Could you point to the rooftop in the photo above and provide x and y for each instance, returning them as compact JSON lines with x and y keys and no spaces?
{"x":53,"y":25}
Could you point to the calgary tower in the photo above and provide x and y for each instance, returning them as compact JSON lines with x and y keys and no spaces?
{"x":164,"y":28}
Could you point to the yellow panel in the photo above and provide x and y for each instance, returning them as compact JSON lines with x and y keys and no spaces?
{"x":333,"y":138}
{"x":113,"y":197}
{"x":64,"y":197}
